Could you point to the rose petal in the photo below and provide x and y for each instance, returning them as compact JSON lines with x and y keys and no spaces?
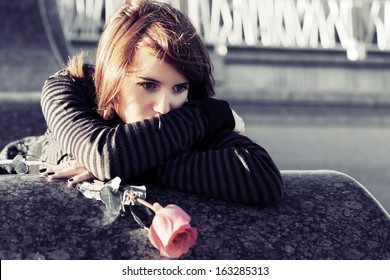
{"x":174,"y":235}
{"x":154,"y":238}
{"x":174,"y":211}
{"x":163,"y":226}
{"x":181,"y":243}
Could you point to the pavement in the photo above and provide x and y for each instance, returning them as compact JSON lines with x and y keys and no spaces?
{"x":352,"y":140}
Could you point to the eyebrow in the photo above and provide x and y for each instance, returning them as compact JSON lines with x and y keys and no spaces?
{"x":158,"y":82}
{"x":149,"y":79}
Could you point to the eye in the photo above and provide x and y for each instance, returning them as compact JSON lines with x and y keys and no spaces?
{"x":148,"y":85}
{"x":181,"y":88}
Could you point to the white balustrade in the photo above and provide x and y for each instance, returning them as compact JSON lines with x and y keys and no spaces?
{"x":354,"y":26}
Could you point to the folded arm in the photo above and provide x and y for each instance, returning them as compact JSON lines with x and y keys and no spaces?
{"x":233,"y":168}
{"x":124,"y":150}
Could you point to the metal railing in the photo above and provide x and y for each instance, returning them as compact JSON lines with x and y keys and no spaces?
{"x":352,"y":26}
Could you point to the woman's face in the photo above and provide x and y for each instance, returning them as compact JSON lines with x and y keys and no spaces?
{"x":152,"y":87}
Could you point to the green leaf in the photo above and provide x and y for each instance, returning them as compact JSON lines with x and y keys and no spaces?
{"x":112,"y":201}
{"x":114,"y":185}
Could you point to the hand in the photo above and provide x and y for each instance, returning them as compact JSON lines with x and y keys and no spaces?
{"x":71,"y":170}
{"x":240,"y":125}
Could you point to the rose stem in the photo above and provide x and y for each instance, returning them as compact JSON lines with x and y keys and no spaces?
{"x":140,"y":200}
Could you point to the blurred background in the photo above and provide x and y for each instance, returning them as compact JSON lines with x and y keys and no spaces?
{"x":309,"y":77}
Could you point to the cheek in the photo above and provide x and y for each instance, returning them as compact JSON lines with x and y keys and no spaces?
{"x":136,"y":108}
{"x":126,"y":106}
{"x":179,"y":100}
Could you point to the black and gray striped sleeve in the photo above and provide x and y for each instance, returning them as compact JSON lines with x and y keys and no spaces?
{"x":192,"y":148}
{"x":232,"y":168}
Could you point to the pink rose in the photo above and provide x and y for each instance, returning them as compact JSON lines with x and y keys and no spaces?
{"x":171,"y":232}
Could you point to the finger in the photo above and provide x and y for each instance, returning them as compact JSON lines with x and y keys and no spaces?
{"x":240,"y":126}
{"x":44,"y":170}
{"x":86,"y":175}
{"x":242,"y":132}
{"x":64,"y":165}
{"x":60,"y":168}
{"x":65,"y":172}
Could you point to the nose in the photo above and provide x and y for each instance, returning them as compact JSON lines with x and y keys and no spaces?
{"x":162,"y":104}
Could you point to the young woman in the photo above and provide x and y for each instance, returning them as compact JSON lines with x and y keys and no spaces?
{"x":144,"y":113}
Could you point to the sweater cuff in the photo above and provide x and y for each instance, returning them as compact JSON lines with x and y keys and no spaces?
{"x":218,"y":113}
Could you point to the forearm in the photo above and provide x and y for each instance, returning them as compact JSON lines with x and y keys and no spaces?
{"x":124,"y":150}
{"x":236,"y":170}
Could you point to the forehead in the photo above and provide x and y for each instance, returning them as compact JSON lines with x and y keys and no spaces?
{"x":146,"y":64}
{"x":143,"y":60}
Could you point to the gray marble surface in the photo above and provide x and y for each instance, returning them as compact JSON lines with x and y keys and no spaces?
{"x":324,"y":215}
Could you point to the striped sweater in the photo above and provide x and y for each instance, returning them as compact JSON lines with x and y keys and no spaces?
{"x":191,"y":149}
